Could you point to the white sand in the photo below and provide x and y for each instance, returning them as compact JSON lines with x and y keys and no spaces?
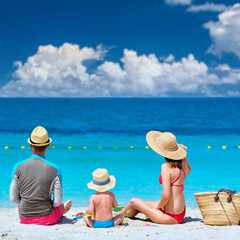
{"x":191,"y":228}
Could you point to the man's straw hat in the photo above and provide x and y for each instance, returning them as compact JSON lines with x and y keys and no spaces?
{"x":101,"y":180}
{"x":39,"y":137}
{"x":166,"y":145}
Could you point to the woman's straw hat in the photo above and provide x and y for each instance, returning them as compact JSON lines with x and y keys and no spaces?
{"x":165,"y":144}
{"x":101,"y":180}
{"x":39,"y":137}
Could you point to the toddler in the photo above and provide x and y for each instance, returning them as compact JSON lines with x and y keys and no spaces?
{"x":101,"y":203}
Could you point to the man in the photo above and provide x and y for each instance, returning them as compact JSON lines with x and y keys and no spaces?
{"x":36,"y":184}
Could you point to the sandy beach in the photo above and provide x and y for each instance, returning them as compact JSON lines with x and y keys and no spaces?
{"x":137,"y":228}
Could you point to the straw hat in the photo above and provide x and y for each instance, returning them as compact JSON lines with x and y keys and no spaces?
{"x":165,"y":144}
{"x":39,"y":137}
{"x":101,"y":180}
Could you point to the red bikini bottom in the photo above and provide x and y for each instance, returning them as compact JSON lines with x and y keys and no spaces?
{"x":178,"y":217}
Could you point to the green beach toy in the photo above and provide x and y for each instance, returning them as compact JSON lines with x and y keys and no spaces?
{"x":118,"y":208}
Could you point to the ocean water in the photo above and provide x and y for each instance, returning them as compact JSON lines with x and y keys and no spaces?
{"x":116,"y":125}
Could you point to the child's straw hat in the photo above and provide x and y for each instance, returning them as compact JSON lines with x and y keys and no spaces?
{"x":101,"y":180}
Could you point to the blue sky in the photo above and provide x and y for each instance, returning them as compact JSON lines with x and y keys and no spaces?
{"x":120,"y":48}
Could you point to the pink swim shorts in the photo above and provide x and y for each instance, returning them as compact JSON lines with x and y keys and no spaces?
{"x":46,"y":220}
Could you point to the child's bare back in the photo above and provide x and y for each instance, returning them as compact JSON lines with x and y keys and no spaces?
{"x":103,"y":203}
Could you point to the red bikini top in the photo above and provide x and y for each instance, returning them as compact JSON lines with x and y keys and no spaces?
{"x":172,"y":184}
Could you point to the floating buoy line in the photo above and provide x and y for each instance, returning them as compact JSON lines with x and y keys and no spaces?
{"x":114,"y":147}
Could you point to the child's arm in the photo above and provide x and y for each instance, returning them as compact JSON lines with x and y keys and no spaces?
{"x":90,"y":209}
{"x":115,"y":204}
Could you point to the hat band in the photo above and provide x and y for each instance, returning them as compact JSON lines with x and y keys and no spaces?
{"x":167,"y":149}
{"x":101,"y":183}
{"x":39,"y":143}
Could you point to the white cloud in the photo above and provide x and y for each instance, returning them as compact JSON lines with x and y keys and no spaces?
{"x":223,"y":67}
{"x":169,"y":58}
{"x":147,"y":76}
{"x":231,"y":76}
{"x":53,"y":72}
{"x":207,"y":7}
{"x":225,"y":33}
{"x":180,"y":2}
{"x":233,"y":93}
{"x":60,"y":72}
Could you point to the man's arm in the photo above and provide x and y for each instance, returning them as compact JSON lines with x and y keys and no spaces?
{"x":57,"y":192}
{"x":15,"y":191}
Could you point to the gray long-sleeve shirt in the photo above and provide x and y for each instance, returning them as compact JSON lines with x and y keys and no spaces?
{"x":34,"y":181}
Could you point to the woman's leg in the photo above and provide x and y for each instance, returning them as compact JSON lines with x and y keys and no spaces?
{"x":149,"y":210}
{"x":128,"y":211}
{"x":153,"y":203}
{"x":131,"y":212}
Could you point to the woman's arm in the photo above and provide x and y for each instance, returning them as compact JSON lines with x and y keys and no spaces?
{"x":166,"y":186}
{"x":188,"y":165}
{"x":186,"y":160}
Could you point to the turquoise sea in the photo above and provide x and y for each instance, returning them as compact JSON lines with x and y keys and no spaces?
{"x":110,"y":133}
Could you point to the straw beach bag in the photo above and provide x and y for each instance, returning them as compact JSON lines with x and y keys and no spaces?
{"x":219,"y":208}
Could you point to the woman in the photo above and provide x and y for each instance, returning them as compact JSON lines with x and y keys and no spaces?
{"x":171,"y":207}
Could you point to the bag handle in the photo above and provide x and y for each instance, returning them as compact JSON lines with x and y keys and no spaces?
{"x":229,"y":192}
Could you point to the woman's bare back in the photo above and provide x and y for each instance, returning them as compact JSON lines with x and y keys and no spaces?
{"x":176,"y":202}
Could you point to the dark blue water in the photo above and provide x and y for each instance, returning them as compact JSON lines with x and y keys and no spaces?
{"x":197,"y":116}
{"x":115,"y":125}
